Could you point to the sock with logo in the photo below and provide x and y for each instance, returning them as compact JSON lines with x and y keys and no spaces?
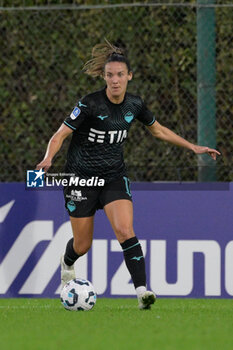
{"x":135,"y":261}
{"x":70,"y":255}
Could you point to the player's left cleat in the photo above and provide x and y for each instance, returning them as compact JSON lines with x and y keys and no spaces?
{"x":146,"y":300}
{"x":67,"y":272}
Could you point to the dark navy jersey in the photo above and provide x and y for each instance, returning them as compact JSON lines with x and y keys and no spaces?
{"x":100,"y":129}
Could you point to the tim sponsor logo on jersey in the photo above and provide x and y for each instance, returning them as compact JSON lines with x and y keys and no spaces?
{"x":99,"y":136}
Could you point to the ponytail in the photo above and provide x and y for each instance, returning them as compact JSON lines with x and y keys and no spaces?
{"x":102,"y":54}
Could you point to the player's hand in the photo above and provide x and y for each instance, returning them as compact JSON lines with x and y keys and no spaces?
{"x":45,"y":164}
{"x":210,"y":151}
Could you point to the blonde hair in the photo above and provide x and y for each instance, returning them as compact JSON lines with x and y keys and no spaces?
{"x":102,"y":54}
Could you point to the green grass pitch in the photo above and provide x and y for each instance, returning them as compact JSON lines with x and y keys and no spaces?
{"x":43,"y":324}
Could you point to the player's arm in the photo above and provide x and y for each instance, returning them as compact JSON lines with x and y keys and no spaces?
{"x":165,"y":134}
{"x":54,"y":146}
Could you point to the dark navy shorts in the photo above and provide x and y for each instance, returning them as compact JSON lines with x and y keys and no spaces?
{"x":84,"y":201}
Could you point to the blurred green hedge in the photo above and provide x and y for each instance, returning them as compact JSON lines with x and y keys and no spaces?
{"x":41,"y":79}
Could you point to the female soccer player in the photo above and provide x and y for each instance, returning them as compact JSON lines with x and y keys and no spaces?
{"x":100,"y":123}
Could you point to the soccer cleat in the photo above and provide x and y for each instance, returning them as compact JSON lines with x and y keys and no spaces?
{"x":146,"y":300}
{"x":67,"y":272}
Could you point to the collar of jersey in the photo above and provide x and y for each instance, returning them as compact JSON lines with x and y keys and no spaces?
{"x":107,"y":99}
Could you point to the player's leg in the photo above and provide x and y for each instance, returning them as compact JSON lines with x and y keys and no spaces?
{"x":77,"y":246}
{"x":82,"y":238}
{"x":120,"y":215}
{"x":81,"y":204}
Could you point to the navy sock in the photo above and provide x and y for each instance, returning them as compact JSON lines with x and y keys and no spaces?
{"x":135,"y":261}
{"x":70,"y":255}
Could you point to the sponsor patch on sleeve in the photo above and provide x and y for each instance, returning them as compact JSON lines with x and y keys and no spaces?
{"x":75,"y":113}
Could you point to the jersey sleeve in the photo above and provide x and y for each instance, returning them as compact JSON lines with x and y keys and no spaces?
{"x":145,"y":116}
{"x":81,"y":111}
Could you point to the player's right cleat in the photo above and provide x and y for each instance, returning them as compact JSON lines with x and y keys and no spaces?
{"x":67,"y":272}
{"x":146,"y":300}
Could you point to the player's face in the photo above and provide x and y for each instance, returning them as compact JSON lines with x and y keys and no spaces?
{"x":116,"y":76}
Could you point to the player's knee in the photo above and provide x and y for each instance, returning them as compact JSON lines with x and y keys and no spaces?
{"x":124,"y":232}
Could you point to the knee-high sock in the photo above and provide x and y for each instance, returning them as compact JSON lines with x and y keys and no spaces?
{"x":70,"y":255}
{"x":135,"y":261}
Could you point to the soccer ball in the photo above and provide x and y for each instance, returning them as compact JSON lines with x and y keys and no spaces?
{"x":78,"y":295}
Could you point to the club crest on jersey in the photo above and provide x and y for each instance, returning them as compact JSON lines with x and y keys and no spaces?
{"x":75,"y":113}
{"x":128,"y":117}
